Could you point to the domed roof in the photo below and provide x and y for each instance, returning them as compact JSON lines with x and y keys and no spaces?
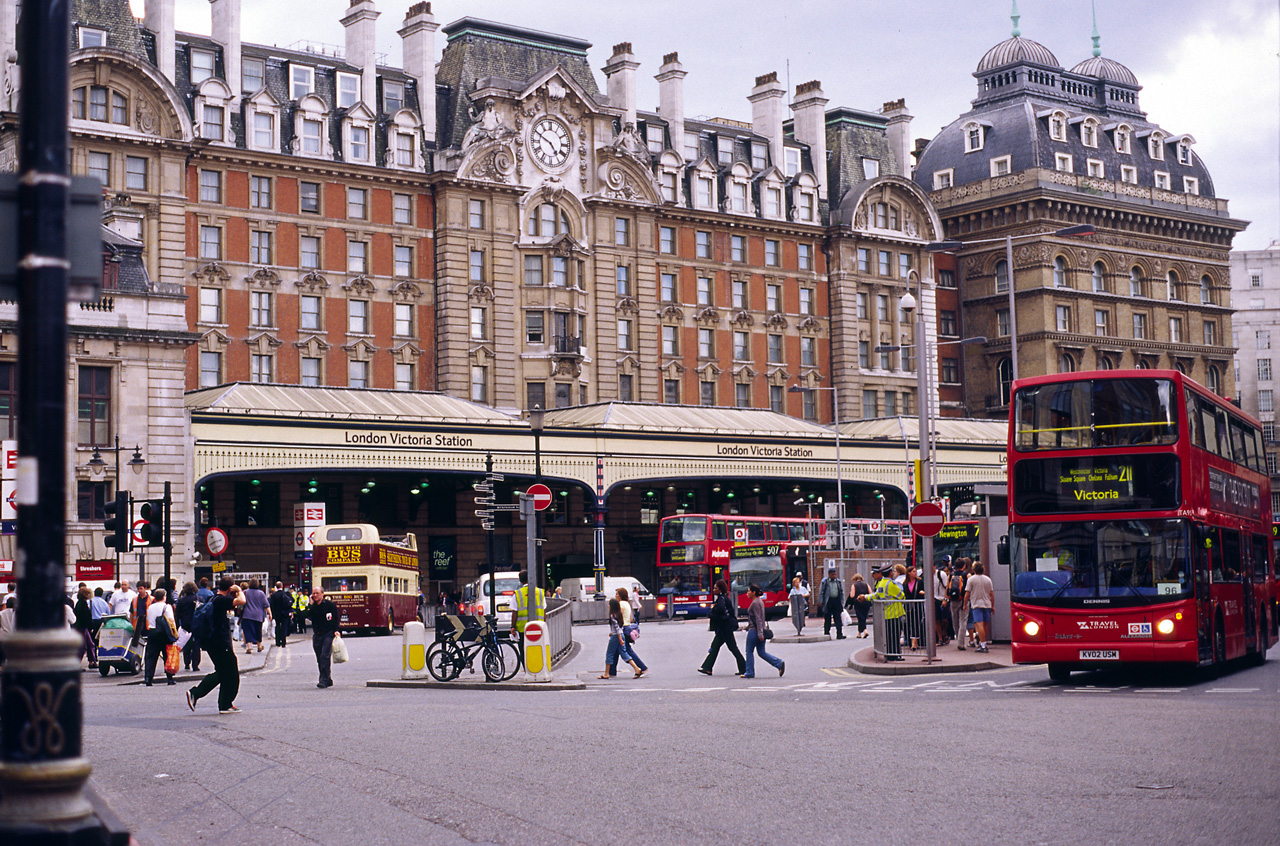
{"x":1017,"y":49}
{"x":1106,"y":69}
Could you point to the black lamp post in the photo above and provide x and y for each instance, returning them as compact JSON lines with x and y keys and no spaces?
{"x":537,"y":417}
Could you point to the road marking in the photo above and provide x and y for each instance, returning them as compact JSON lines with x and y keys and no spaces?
{"x":1091,"y":690}
{"x":840,"y":671}
{"x":1233,"y":690}
{"x":1159,"y":690}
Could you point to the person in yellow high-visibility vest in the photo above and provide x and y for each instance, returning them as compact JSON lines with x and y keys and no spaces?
{"x":523,"y":613}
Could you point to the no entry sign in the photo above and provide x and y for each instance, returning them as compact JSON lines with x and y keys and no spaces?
{"x":541,"y":496}
{"x":927,"y":519}
{"x":533,"y":634}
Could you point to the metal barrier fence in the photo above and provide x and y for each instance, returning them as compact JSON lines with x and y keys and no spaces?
{"x":559,"y":628}
{"x":897,"y":626}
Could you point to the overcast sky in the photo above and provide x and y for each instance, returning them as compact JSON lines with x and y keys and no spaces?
{"x":1211,"y":69}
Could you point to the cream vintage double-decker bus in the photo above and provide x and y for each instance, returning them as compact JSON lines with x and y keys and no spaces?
{"x":372,"y":579}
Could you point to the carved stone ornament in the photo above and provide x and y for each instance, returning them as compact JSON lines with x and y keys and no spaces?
{"x":406,"y":291}
{"x":628,"y":305}
{"x":743,"y":318}
{"x":145,"y":117}
{"x":671,"y":312}
{"x":493,"y":161}
{"x":744,"y":374}
{"x":776,"y":321}
{"x":480,"y":292}
{"x":810,"y":324}
{"x":860,"y":217}
{"x":312,"y":281}
{"x":708,"y":315}
{"x":360,"y":285}
{"x":568,"y":367}
{"x":263,"y":277}
{"x":212,"y":274}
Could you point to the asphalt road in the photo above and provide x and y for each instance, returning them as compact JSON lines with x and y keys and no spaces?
{"x":822,"y":755}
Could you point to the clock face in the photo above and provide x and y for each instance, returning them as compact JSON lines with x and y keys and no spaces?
{"x":549,"y":142}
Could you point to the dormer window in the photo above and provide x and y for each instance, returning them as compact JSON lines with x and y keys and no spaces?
{"x":1161,"y":180}
{"x":691,"y":146}
{"x":1096,"y":168}
{"x":973,"y":136}
{"x":1129,"y":174}
{"x":655,"y":138}
{"x":943,"y":179}
{"x":359,"y":144}
{"x":212,"y":111}
{"x":738,"y":196}
{"x":1089,"y":133}
{"x":791,"y":155}
{"x":1190,"y":185}
{"x":253,"y":75}
{"x":1155,"y":146}
{"x":1062,"y":162}
{"x":1058,"y":126}
{"x":302,"y":81}
{"x":211,"y":118}
{"x":392,"y":96}
{"x":1001,"y":166}
{"x":804,"y":199}
{"x":348,"y":90}
{"x":311,"y":136}
{"x":310,"y":128}
{"x":1184,"y":152}
{"x":1123,"y":139}
{"x":758,"y":158}
{"x":724,"y":150}
{"x":264,"y":131}
{"x":404,"y":149}
{"x":772,"y":202}
{"x":90,"y":37}
{"x":201,"y":66}
{"x":870,"y":168}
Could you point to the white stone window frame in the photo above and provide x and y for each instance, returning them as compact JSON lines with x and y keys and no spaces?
{"x":1161,"y":180}
{"x":1006,"y":161}
{"x":97,"y":37}
{"x":671,"y":166}
{"x":312,"y":108}
{"x":1122,"y":138}
{"x":308,"y":73}
{"x":1129,"y":174}
{"x":1063,"y":163}
{"x":1095,"y":168}
{"x":944,"y":178}
{"x":1089,"y":130}
{"x":405,"y":122}
{"x":245,"y":62}
{"x":802,"y":185}
{"x":771,"y":180}
{"x":352,"y":82}
{"x":214,"y":93}
{"x":1057,"y":125}
{"x":975,"y":136}
{"x":262,"y":103}
{"x":1191,"y":185}
{"x":207,"y":54}
{"x":1155,"y":146}
{"x":1182,"y":150}
{"x":737,"y":183}
{"x":705,"y":170}
{"x":358,"y":117}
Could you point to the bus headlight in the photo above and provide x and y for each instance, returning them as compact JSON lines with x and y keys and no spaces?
{"x":1032,"y":628}
{"x":1165,"y":626}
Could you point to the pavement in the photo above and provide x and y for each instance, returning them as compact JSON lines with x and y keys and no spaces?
{"x":947,"y":659}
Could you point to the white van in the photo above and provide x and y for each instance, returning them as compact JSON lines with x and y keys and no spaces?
{"x":584,"y":589}
{"x":476,"y":595}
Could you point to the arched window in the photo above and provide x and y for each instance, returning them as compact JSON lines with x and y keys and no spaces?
{"x":1143,"y":364}
{"x":1098,"y":277}
{"x":1172,"y":279}
{"x":1066,"y":363}
{"x":546,"y":220}
{"x":1180,"y":367}
{"x":1105,"y":363}
{"x":1206,"y":289}
{"x":1135,"y":282}
{"x":1002,"y":275}
{"x":1059,"y":272}
{"x":1004,"y":372}
{"x":1215,"y":379}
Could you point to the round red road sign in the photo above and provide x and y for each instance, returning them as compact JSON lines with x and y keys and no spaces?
{"x":541,"y":496}
{"x":927,"y":519}
{"x":216,"y":541}
{"x":533,"y":634}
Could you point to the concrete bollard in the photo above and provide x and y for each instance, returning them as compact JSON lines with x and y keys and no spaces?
{"x":537,"y":652}
{"x":414,"y":651}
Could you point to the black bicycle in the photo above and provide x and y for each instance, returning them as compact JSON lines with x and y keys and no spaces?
{"x":460,"y":638}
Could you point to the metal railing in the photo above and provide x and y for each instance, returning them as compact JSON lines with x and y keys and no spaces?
{"x":559,"y":628}
{"x":897,"y":626}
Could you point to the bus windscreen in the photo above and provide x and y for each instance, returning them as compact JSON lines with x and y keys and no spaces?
{"x":1091,"y":413}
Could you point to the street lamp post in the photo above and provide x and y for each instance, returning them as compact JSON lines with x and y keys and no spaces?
{"x":835,"y":416}
{"x":536,"y":418}
{"x":952,"y":246}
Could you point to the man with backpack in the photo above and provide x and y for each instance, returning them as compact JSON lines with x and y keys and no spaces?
{"x":211,"y":628}
{"x":955,"y":599}
{"x":942,"y":609}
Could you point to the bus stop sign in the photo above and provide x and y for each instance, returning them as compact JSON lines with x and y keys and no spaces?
{"x":927,"y":519}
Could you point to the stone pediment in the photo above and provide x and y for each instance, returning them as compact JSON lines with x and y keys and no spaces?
{"x":360,"y":285}
{"x":312,"y":281}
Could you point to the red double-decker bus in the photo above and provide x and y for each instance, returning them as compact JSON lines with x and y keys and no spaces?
{"x":1139,"y":515}
{"x":696,"y":549}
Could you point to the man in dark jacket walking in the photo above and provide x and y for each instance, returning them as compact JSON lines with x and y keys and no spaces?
{"x":831,"y":600}
{"x":324,"y":625}
{"x":281,"y":604}
{"x":226,"y":671}
{"x":724,"y":622}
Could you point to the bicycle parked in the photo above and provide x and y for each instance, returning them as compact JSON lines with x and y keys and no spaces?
{"x":460,"y":638}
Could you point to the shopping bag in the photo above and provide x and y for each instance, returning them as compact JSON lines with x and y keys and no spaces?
{"x":340,"y":655}
{"x":172,"y":659}
{"x":183,"y":637}
{"x":845,"y":619}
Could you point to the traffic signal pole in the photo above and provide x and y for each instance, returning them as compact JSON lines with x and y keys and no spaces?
{"x":42,"y":766}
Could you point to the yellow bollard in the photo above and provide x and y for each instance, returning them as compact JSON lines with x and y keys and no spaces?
{"x":413,"y":651}
{"x":537,"y":651}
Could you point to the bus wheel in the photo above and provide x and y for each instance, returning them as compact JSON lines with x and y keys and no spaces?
{"x":1219,"y":647}
{"x":1059,"y":672}
{"x":1259,"y":656}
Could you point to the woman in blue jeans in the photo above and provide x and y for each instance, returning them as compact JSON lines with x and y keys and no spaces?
{"x":617,"y":641}
{"x":755,"y":635}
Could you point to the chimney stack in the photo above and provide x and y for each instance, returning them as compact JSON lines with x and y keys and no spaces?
{"x":810,"y":127}
{"x":418,"y":46}
{"x":226,"y":31}
{"x":361,"y":39}
{"x":621,"y":73}
{"x":899,"y":135}
{"x":766,"y":113}
{"x":157,"y":16}
{"x":671,"y":98}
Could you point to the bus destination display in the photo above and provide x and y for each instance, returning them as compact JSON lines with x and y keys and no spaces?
{"x":1095,"y":483}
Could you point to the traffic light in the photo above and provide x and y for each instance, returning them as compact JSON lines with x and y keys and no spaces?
{"x":152,"y":530}
{"x":117,"y":522}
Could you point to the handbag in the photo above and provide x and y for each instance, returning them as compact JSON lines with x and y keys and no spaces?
{"x":633,"y":633}
{"x":172,"y":659}
{"x":340,"y":655}
{"x":165,"y":631}
{"x":768,"y":632}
